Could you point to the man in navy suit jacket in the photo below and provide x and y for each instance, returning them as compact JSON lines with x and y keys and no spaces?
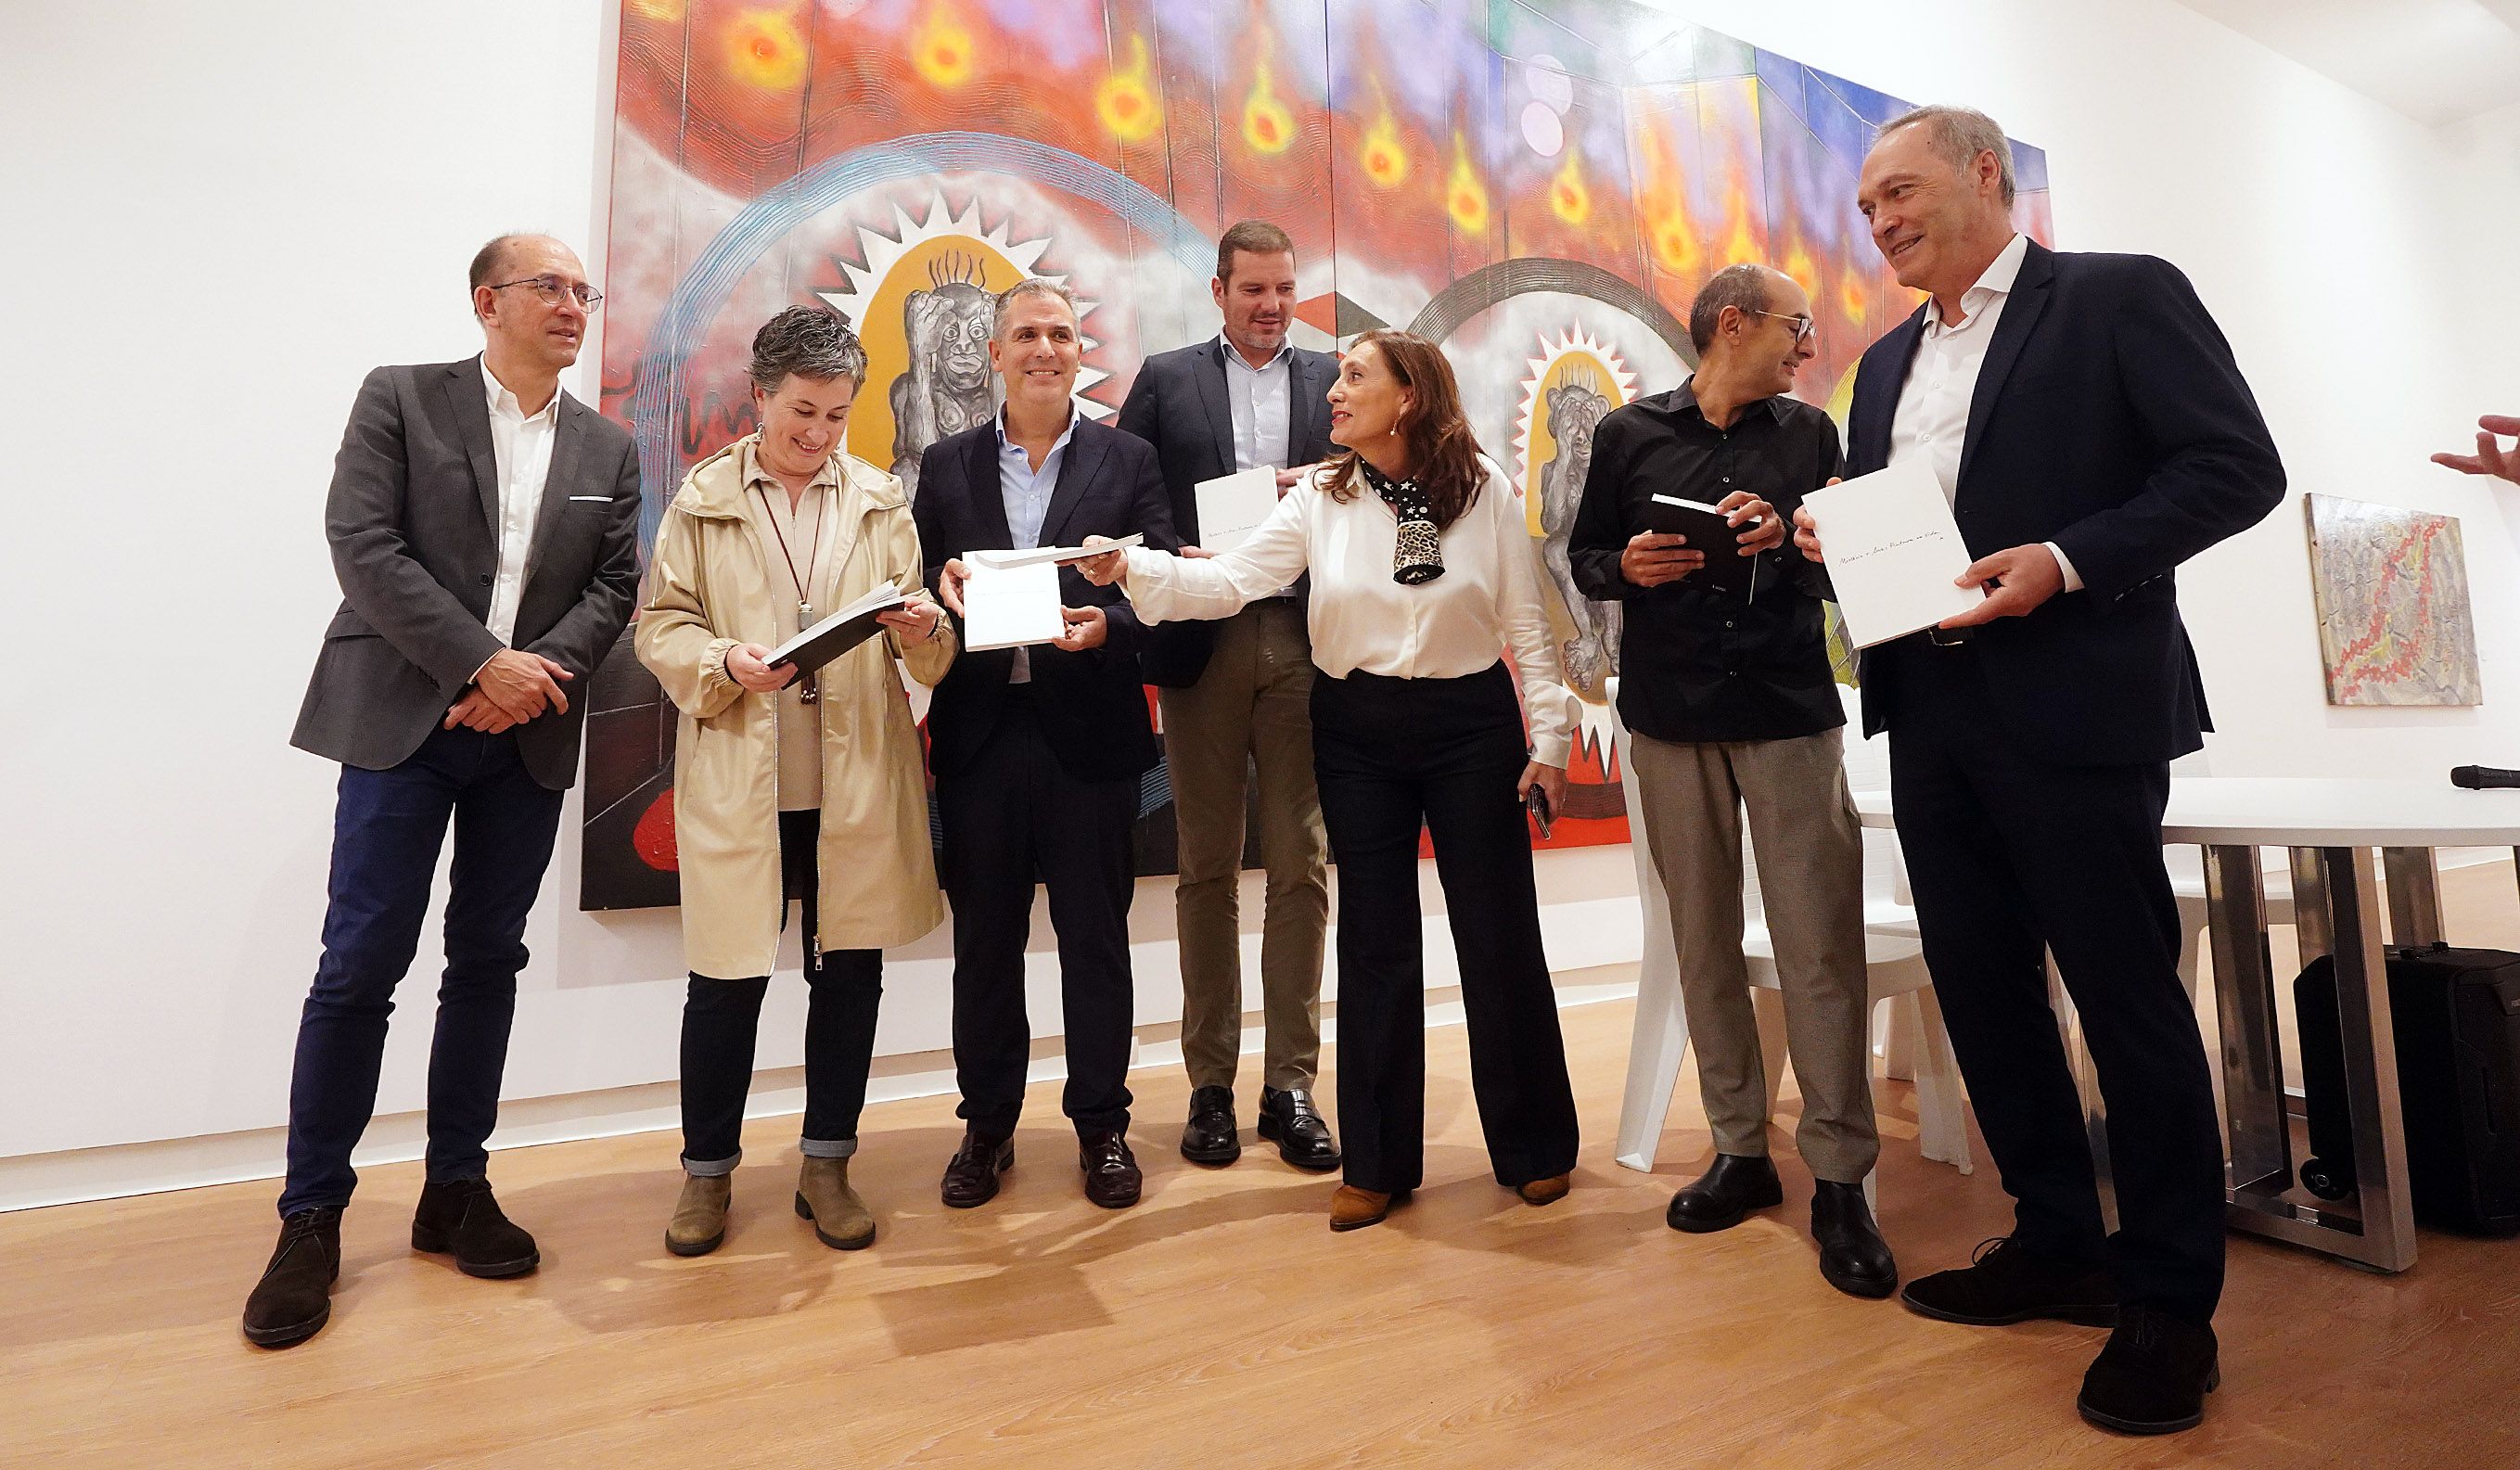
{"x":1037,"y":750}
{"x":2088,"y":422}
{"x":1237,"y":698}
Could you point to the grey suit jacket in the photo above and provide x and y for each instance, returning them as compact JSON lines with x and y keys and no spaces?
{"x":412,"y":518}
{"x":1179,"y":405}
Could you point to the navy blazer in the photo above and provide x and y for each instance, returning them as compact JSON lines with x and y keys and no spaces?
{"x":2110,"y":419}
{"x":1091,"y":705}
{"x":1179,"y":404}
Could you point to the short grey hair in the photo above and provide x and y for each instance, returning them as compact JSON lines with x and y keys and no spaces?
{"x":806,"y":341}
{"x":1743,"y":287}
{"x":1957,"y":135}
{"x":492,"y":258}
{"x":1031,"y":286}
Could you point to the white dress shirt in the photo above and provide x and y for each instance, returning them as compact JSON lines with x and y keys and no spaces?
{"x":1259,"y":400}
{"x":522,"y":448}
{"x":1486,"y":601}
{"x":1931,"y":421}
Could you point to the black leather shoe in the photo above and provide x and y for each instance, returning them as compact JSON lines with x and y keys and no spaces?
{"x":2003,"y":1283}
{"x":1717,"y":1199}
{"x":2153,"y":1376}
{"x":1853,"y":1256}
{"x":294,"y":1297}
{"x":460,"y":1218}
{"x":971,"y":1175}
{"x":1211,"y":1136}
{"x":1111,"y":1177}
{"x":1302,"y":1135}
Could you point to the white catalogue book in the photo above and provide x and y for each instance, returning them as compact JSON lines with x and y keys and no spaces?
{"x":1231,"y":507}
{"x":1010,"y":606}
{"x":1892,"y":550}
{"x":1055,"y":556}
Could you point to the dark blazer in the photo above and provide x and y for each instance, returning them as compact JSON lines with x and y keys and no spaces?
{"x":2111,"y":420}
{"x":413,"y":520}
{"x":1179,"y":405}
{"x":1091,"y":705}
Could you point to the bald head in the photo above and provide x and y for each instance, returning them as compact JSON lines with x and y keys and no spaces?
{"x":496,"y":261}
{"x":1751,"y":326}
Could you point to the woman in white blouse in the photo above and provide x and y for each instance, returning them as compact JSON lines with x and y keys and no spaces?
{"x":1421,"y":578}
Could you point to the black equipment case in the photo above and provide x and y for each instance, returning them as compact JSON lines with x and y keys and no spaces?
{"x":2457,"y":1015}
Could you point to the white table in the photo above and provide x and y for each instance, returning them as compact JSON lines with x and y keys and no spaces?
{"x":2332,"y":829}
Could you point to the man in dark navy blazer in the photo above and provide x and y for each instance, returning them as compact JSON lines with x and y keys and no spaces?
{"x":1236,"y":700}
{"x":2088,"y":422}
{"x":1037,"y":751}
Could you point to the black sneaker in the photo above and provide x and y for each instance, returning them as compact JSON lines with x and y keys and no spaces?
{"x":294,"y":1297}
{"x":2004,"y":1283}
{"x":460,"y":1218}
{"x":2153,"y":1376}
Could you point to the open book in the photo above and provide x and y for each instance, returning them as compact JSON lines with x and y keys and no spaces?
{"x":838,"y":633}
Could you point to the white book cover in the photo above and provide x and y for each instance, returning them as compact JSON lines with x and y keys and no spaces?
{"x":1231,"y":507}
{"x":1892,"y":550}
{"x":1051,"y":555}
{"x":1010,"y":606}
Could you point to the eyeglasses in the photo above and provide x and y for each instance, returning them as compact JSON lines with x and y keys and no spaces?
{"x":552,"y":289}
{"x":1805,"y":329}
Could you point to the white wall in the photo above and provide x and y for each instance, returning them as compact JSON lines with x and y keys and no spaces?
{"x":210,"y":243}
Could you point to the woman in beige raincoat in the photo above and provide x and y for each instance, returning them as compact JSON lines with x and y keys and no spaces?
{"x":783,"y":786}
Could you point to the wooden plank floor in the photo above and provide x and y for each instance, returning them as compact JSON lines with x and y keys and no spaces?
{"x":1220,"y":1324}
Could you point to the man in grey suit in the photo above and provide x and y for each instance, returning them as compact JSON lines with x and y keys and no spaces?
{"x":484,"y":529}
{"x":1237,"y":694}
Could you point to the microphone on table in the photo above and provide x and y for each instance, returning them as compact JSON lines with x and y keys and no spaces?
{"x":2483,"y":777}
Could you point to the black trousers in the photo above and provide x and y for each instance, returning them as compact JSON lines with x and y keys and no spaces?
{"x":1390,"y":754}
{"x":722,"y":1017}
{"x":2011,"y":859}
{"x":1014,"y":816}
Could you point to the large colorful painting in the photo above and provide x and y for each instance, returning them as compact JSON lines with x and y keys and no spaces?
{"x":2391,"y":588}
{"x":1540,"y":188}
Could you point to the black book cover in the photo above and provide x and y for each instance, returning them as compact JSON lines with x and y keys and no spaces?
{"x":1726,"y":568}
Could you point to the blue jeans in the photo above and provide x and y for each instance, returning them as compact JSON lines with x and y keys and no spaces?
{"x":387,"y":828}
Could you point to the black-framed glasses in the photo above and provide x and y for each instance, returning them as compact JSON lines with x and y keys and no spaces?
{"x":553,"y":289}
{"x":1805,"y":329}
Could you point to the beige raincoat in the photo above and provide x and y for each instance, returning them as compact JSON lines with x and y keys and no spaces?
{"x":710,"y":587}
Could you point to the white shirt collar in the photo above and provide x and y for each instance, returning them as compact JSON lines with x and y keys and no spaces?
{"x":1233,"y":354}
{"x":1995,"y":281}
{"x":503,"y":404}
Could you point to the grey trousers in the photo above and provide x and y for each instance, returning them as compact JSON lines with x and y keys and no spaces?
{"x":1810,"y":852}
{"x":1250,"y":710}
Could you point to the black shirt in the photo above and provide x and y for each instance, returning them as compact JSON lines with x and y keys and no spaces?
{"x":1696,"y":664}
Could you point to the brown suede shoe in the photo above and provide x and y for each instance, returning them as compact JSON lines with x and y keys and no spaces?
{"x":841,"y":1220}
{"x":1353,"y":1209}
{"x":1548,"y":1191}
{"x":699,"y":1225}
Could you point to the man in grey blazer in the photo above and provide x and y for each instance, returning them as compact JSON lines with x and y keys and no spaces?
{"x":1235,"y":696}
{"x":484,"y":529}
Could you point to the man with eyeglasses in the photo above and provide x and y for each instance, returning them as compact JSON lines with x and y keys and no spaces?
{"x":484,"y":529}
{"x":1732,"y":707}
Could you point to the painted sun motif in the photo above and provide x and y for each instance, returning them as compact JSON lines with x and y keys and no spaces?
{"x":921,"y":305}
{"x":1574,"y":382}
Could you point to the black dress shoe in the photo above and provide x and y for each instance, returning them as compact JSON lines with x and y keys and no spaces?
{"x":294,"y":1297}
{"x":1853,"y":1256}
{"x":1111,"y":1177}
{"x":1302,"y":1133}
{"x":971,"y":1175}
{"x":2154,"y":1374}
{"x":2004,"y":1283}
{"x":1211,"y":1136}
{"x":1718,"y":1198}
{"x":460,"y":1218}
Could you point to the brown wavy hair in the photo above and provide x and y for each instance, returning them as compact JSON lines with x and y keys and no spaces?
{"x":1440,"y":441}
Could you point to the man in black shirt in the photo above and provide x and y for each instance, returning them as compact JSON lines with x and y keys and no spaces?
{"x":1730,"y":706}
